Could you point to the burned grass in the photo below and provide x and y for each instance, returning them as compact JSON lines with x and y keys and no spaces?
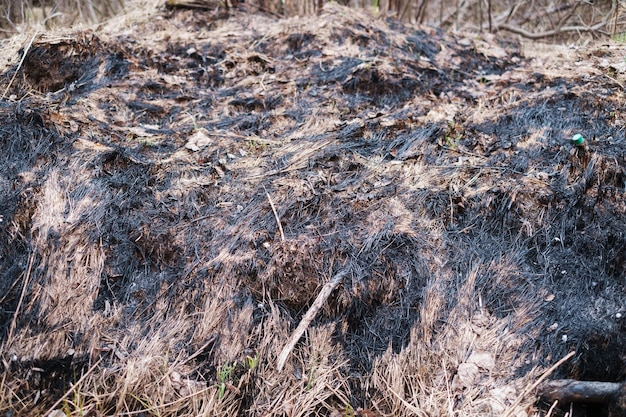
{"x":144,"y":270}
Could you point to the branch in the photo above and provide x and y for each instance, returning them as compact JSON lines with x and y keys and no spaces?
{"x":570,"y":390}
{"x":308,"y":317}
{"x":550,"y":33}
{"x":280,"y":227}
{"x":578,"y":29}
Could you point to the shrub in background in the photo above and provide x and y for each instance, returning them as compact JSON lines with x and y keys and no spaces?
{"x":556,"y":20}
{"x":18,"y":15}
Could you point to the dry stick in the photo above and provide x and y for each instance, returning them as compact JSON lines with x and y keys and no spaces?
{"x":280,"y":227}
{"x":199,"y":351}
{"x":8,"y":292}
{"x":539,"y":381}
{"x":552,"y":407}
{"x":69,"y":391}
{"x":566,"y":17}
{"x":407,"y":404}
{"x":571,"y":390}
{"x":309,"y":316}
{"x":19,"y":303}
{"x":20,"y":64}
{"x":614,"y":80}
{"x":532,"y":35}
{"x":162,"y":406}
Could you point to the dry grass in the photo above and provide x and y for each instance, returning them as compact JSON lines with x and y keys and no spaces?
{"x":545,"y":19}
{"x":143,"y":277}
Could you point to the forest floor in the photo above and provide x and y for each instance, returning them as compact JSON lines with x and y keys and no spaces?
{"x":176,"y":187}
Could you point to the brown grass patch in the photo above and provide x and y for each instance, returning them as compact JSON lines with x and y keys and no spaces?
{"x":479,"y":245}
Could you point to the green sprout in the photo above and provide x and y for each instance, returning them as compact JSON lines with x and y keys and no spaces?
{"x":224,"y":374}
{"x":619,"y":37}
{"x":310,"y":379}
{"x":451,"y":141}
{"x":252,"y":362}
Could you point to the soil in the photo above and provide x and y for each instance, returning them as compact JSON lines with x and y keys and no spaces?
{"x":176,"y":189}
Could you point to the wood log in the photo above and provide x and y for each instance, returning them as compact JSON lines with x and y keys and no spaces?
{"x":571,"y":390}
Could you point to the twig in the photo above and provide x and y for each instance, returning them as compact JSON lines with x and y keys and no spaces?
{"x":20,"y":64}
{"x":463,"y":152}
{"x":615,"y":81}
{"x":155,"y":408}
{"x":411,"y":407}
{"x":198,"y":352}
{"x":539,"y":35}
{"x":309,"y":316}
{"x":8,"y":292}
{"x":69,"y":391}
{"x":19,"y":303}
{"x":533,"y":386}
{"x":552,"y":407}
{"x":280,"y":227}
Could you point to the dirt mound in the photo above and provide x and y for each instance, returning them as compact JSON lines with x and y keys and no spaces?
{"x":175,"y":193}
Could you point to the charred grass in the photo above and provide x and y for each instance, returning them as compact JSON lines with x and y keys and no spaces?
{"x":143,"y":270}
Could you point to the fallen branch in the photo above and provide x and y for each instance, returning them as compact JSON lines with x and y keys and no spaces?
{"x":549,"y":33}
{"x":191,"y":4}
{"x":571,"y":390}
{"x":280,"y":227}
{"x":327,"y":289}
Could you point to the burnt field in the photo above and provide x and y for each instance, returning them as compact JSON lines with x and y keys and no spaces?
{"x":177,"y":189}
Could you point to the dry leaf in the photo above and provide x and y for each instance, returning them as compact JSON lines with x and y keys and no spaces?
{"x":199,"y":140}
{"x":501,"y":397}
{"x":466,"y":375}
{"x":483,"y":360}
